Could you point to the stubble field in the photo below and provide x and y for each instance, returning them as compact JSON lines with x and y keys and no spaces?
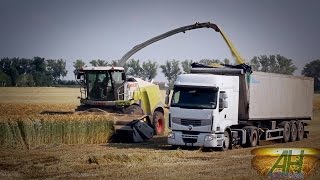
{"x":88,"y":156}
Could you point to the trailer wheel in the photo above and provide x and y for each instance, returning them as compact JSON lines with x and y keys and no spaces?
{"x":134,"y":109}
{"x":226,"y":142}
{"x":252,"y":138}
{"x":293,"y":131}
{"x":300,"y":130}
{"x":158,"y":123}
{"x":286,"y":131}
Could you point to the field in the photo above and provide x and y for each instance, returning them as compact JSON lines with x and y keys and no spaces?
{"x":90,"y":157}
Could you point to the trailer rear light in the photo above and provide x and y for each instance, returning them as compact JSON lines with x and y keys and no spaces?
{"x":171,"y":135}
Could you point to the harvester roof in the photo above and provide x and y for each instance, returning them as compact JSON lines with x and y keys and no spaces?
{"x":102,"y":68}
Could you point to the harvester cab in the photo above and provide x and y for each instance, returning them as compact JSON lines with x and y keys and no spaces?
{"x":101,"y":86}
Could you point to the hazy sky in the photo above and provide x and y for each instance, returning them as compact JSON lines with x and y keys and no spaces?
{"x":77,"y":29}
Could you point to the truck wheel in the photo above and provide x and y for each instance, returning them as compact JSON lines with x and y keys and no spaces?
{"x":134,"y":109}
{"x":300,"y":130}
{"x":253,"y":139}
{"x":286,"y":131}
{"x":293,"y":131}
{"x":226,"y":142}
{"x":158,"y":123}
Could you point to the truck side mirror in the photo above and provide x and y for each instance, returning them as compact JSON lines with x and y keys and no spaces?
{"x":123,"y":76}
{"x":225,"y":104}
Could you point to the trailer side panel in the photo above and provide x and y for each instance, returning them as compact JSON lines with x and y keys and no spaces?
{"x":276,"y":96}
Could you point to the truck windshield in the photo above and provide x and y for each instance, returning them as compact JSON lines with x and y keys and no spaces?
{"x":191,"y":97}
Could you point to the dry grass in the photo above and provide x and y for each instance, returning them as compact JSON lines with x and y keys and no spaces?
{"x":149,"y":160}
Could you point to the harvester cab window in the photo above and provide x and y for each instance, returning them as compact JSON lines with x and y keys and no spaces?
{"x":98,"y":83}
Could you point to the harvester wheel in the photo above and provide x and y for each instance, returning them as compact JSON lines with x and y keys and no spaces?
{"x":158,"y":123}
{"x":134,"y":110}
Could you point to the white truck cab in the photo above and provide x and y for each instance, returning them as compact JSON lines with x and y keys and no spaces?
{"x":202,"y":109}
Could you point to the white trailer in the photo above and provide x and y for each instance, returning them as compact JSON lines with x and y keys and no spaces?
{"x":222,"y":107}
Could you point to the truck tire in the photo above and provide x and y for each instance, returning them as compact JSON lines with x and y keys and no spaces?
{"x":158,"y":123}
{"x":226,"y":142}
{"x":293,"y":131}
{"x":286,"y":131}
{"x":252,"y":137}
{"x":134,"y":110}
{"x":300,"y":130}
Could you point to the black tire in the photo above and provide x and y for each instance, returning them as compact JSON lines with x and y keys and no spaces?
{"x":226,"y":142}
{"x":134,"y":110}
{"x":293,"y":131}
{"x":252,"y":137}
{"x":286,"y":132}
{"x":158,"y":123}
{"x":300,"y":130}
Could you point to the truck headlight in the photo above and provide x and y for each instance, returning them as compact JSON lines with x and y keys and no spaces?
{"x":171,"y":135}
{"x":210,"y":137}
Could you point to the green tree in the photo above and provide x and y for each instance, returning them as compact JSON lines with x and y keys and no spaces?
{"x":78,"y":64}
{"x":5,"y":80}
{"x":25,"y":80}
{"x":273,"y":64}
{"x":57,"y":69}
{"x":186,"y":65}
{"x":99,"y":62}
{"x":209,"y":61}
{"x":255,"y":64}
{"x":149,"y":70}
{"x":171,"y":70}
{"x":226,"y":61}
{"x":134,"y":68}
{"x":40,"y":74}
{"x":312,"y":69}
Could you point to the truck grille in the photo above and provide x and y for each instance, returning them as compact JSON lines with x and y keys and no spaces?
{"x":189,"y":140}
{"x":193,"y":122}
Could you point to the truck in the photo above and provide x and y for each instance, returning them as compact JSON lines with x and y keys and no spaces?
{"x":107,"y":89}
{"x":227,"y":106}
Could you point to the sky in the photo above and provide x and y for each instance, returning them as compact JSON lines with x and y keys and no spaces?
{"x":96,"y":29}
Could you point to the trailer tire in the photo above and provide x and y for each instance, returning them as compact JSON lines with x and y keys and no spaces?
{"x":293,"y":131}
{"x":158,"y":123}
{"x":300,"y":130}
{"x":286,"y":131}
{"x":226,"y":141}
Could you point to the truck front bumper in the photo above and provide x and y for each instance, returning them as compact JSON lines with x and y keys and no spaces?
{"x":202,"y":139}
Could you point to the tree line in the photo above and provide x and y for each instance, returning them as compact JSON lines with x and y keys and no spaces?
{"x":37,"y":71}
{"x":49,"y":72}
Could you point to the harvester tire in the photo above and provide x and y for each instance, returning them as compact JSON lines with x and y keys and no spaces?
{"x":134,"y":110}
{"x":158,"y":123}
